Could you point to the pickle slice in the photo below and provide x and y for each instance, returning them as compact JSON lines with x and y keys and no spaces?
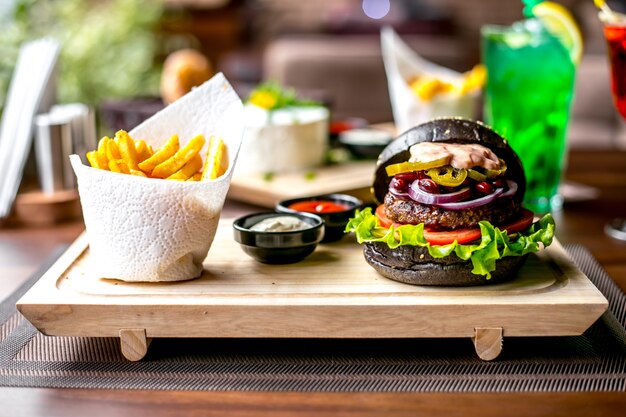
{"x":492,"y":173}
{"x":476,"y":176}
{"x":407,"y":166}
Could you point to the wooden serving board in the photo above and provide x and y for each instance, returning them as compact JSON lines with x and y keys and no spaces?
{"x":353,"y":178}
{"x":333,"y":293}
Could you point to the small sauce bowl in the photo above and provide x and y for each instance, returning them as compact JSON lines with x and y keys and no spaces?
{"x":365,"y":143}
{"x":335,"y":221}
{"x":278,"y":247}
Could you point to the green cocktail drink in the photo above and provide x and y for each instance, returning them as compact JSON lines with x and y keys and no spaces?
{"x":530,"y":80}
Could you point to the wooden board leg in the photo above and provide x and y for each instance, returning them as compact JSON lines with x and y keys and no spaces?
{"x":134,"y":343}
{"x":488,"y":342}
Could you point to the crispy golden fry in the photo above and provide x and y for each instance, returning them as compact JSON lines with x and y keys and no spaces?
{"x":98,"y":160}
{"x":216,"y":162}
{"x":188,"y":170}
{"x":144,"y":151}
{"x":427,"y":87}
{"x":102,"y":145}
{"x":179,"y":159}
{"x":127,"y":149}
{"x":138,"y":173}
{"x":135,"y":157}
{"x":168,"y":150}
{"x":119,"y":165}
{"x":112,"y":151}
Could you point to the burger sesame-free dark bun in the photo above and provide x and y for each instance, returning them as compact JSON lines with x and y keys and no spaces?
{"x":413,"y":265}
{"x":451,"y":130}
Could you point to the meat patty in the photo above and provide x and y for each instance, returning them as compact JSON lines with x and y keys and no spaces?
{"x":408,"y":211}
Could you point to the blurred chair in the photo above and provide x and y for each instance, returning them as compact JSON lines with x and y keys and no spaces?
{"x":350,"y":68}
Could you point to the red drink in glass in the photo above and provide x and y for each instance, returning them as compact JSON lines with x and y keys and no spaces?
{"x":615,"y":34}
{"x":616,"y":40}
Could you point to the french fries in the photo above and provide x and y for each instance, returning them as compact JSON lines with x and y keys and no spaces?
{"x":125,"y":155}
{"x":119,"y":165}
{"x":187,"y":170}
{"x":127,"y":149}
{"x":426,"y":87}
{"x":98,"y":160}
{"x":171,"y":165}
{"x":216,"y":162}
{"x":144,"y":151}
{"x":168,"y":150}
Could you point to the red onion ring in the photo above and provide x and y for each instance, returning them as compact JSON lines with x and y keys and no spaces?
{"x":477,"y":202}
{"x":424,"y":197}
{"x":398,"y":193}
{"x":453,"y":201}
{"x":512,"y":189}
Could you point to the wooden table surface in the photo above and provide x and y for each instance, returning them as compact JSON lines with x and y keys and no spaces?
{"x":23,"y":250}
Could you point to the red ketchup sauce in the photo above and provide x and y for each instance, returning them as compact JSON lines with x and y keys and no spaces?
{"x":318,"y":206}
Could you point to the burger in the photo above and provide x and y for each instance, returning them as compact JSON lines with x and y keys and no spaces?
{"x":449,"y":208}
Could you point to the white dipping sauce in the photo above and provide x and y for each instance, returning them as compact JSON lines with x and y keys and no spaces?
{"x":280,"y":224}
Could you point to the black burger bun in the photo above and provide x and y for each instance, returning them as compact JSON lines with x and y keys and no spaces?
{"x":413,"y":265}
{"x":451,"y":130}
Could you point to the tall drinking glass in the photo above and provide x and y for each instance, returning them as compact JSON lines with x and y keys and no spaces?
{"x":530,"y":81}
{"x":615,"y":34}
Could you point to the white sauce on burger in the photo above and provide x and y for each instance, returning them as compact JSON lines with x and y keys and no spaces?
{"x":458,"y":155}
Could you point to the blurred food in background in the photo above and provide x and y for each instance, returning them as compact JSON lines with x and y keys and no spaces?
{"x":283,"y":131}
{"x":365,"y":143}
{"x":183,"y":70}
{"x":114,"y":50}
{"x":421,"y":90}
{"x":427,"y":86}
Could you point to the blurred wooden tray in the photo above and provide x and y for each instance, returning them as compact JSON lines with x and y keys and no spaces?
{"x":353,"y":178}
{"x":333,"y":293}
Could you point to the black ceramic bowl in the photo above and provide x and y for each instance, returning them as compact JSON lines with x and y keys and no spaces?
{"x":278,"y":247}
{"x":366,"y":143}
{"x":334,"y":222}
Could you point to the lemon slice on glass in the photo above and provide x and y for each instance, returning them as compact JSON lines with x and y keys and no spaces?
{"x":607,"y":15}
{"x":559,"y":21}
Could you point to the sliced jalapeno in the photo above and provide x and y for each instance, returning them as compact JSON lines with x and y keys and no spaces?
{"x":447,"y":176}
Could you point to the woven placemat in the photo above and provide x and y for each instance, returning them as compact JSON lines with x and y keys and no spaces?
{"x":595,"y":361}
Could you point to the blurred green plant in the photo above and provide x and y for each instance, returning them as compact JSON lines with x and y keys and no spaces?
{"x":108,"y":47}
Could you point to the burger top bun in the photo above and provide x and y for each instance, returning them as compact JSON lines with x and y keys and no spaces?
{"x":450,"y":130}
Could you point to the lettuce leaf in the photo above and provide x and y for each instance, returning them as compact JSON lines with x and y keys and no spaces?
{"x":493,"y":244}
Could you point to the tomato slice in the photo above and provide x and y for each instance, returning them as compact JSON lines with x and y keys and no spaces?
{"x":464,"y":235}
{"x":382,"y":218}
{"x":522,"y":223}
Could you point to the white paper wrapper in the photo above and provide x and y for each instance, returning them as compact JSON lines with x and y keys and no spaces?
{"x":284,"y":140}
{"x":144,"y":229}
{"x":402,"y":64}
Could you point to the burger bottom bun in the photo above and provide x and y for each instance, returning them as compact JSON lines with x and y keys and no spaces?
{"x":413,"y":265}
